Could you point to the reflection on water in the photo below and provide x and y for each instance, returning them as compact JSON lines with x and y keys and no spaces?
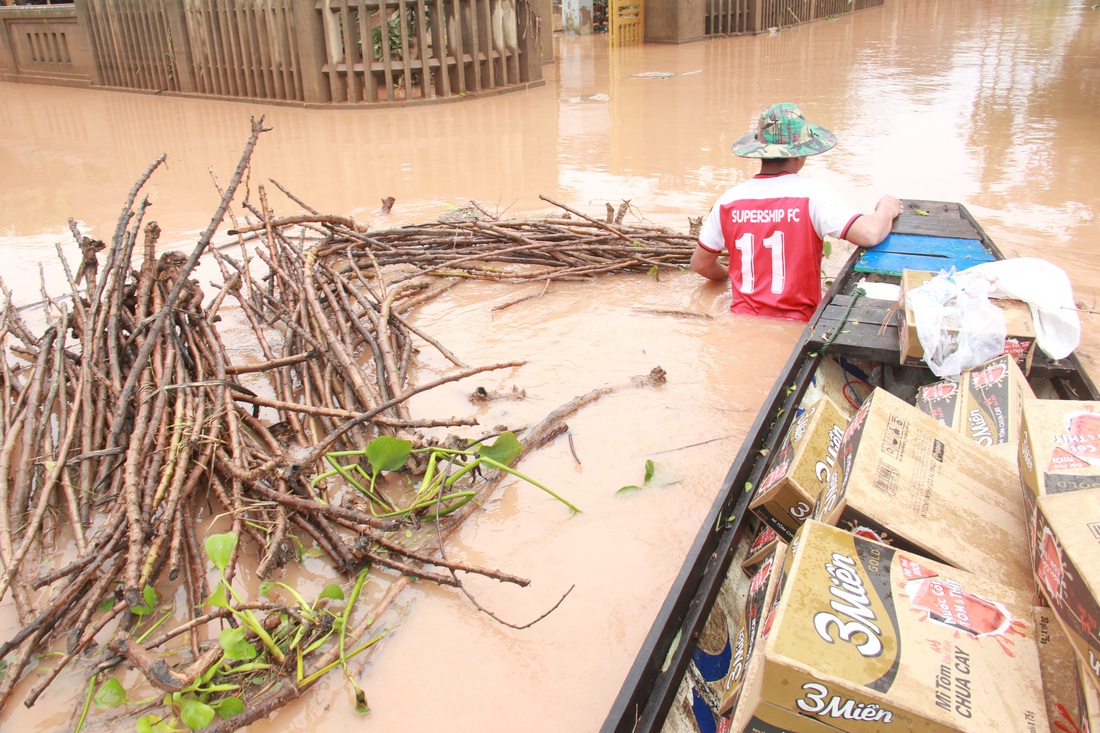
{"x":991,"y":104}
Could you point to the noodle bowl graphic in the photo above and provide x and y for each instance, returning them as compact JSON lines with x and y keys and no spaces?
{"x":943,"y":601}
{"x":1082,"y":437}
{"x":1052,"y":570}
{"x":992,"y":374}
{"x":949,"y":605}
{"x":939,"y":391}
{"x":776,"y":474}
{"x":869,"y":533}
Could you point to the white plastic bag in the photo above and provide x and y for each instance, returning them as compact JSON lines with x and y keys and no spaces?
{"x":957,"y":325}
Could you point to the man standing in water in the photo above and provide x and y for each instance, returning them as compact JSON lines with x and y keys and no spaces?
{"x":773,"y":225}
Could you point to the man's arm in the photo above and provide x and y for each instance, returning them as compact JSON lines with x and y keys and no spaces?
{"x":870,"y":229}
{"x":705,"y":262}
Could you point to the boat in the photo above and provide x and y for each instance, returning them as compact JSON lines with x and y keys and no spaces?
{"x":666,"y":679}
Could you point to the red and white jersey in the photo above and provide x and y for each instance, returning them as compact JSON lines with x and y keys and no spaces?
{"x":773,"y":227}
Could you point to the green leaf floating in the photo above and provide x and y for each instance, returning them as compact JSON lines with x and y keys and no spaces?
{"x":218,"y":599}
{"x":505,"y":449}
{"x":650,"y":472}
{"x":110,"y":694}
{"x":332,"y":591}
{"x":195,"y":714}
{"x":387,"y":453}
{"x":228,"y":707}
{"x":149,"y":601}
{"x":219,"y":548}
{"x":235,"y":645}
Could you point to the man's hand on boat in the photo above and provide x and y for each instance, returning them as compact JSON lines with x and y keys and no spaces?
{"x":870,"y":229}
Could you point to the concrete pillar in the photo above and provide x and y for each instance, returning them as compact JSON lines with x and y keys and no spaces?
{"x":576,"y":16}
{"x":9,"y":70}
{"x":183,"y":64}
{"x":544,"y":10}
{"x":529,"y":40}
{"x":674,"y":21}
{"x":84,"y":22}
{"x":311,"y":52}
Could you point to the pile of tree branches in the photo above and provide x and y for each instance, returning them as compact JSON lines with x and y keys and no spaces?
{"x":127,"y":425}
{"x":476,"y":243}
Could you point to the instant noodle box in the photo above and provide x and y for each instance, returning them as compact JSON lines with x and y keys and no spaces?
{"x":861,"y":636}
{"x":1089,"y":702}
{"x":762,"y":545}
{"x":1061,"y":681}
{"x":984,"y":404}
{"x":743,"y":642}
{"x":942,"y":401}
{"x":992,"y":401}
{"x":1019,"y":325}
{"x":800,"y":469}
{"x":1060,"y":472}
{"x":907,"y":480}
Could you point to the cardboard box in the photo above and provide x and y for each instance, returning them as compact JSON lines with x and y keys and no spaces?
{"x":800,"y":468}
{"x":1058,"y":664}
{"x":865,"y":637}
{"x":1019,"y":325}
{"x":905,"y":479}
{"x":761,"y":547}
{"x":942,"y":401}
{"x":1060,"y":472}
{"x":984,"y":405}
{"x":759,"y":599}
{"x":992,"y":402}
{"x":1088,"y":702}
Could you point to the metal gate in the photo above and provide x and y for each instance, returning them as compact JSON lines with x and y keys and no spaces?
{"x":626,"y":21}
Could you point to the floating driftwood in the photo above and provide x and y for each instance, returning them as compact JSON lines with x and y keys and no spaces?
{"x":124,"y":417}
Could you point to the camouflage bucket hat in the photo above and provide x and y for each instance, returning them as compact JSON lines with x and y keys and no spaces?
{"x":783,"y":132}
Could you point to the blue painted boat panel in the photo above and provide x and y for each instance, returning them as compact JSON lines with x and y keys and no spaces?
{"x":890,"y":263}
{"x":917,"y":244}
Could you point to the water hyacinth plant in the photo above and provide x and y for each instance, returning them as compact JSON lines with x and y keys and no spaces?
{"x":448,"y":480}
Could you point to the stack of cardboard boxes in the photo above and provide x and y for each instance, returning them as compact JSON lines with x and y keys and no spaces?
{"x":855,"y":635}
{"x":984,"y":404}
{"x":1059,"y":461}
{"x":925,"y":590}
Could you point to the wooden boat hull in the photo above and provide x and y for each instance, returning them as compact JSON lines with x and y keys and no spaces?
{"x":675,"y":655}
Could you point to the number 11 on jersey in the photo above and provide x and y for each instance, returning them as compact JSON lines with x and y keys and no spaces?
{"x":774,"y":243}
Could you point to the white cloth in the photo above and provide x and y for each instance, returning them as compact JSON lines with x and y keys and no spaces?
{"x":1043,"y":286}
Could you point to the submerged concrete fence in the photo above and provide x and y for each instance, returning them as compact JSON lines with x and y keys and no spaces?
{"x":357,"y":52}
{"x":739,"y":17}
{"x":307,"y":51}
{"x":44,"y":45}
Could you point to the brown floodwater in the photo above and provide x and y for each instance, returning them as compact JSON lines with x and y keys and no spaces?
{"x":988,"y":103}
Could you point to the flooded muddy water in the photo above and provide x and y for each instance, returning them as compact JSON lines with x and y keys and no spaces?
{"x":987,"y":103}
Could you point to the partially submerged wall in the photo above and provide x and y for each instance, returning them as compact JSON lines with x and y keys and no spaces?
{"x":301,"y":51}
{"x":44,"y":45}
{"x":682,"y":21}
